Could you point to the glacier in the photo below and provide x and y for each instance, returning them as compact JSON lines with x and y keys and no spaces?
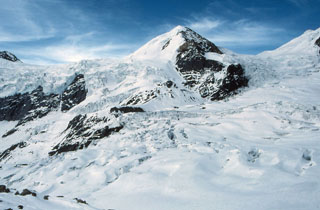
{"x":254,"y":147}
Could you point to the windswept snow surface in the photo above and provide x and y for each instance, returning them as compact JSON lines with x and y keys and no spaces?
{"x":257,"y":150}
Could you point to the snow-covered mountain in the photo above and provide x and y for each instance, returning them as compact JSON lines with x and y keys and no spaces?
{"x":178,"y":124}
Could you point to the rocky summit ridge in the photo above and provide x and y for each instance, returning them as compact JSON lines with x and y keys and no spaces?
{"x":197,"y":60}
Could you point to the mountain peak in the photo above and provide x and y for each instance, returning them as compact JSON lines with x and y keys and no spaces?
{"x":167,"y":46}
{"x":189,"y":53}
{"x":179,"y":28}
{"x":8,"y":56}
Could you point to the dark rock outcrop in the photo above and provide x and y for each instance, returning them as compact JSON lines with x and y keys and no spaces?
{"x":126,"y":109}
{"x":234,"y":80}
{"x":307,"y":155}
{"x":8,"y":56}
{"x":26,"y":192}
{"x":7,"y":152}
{"x":74,"y":94}
{"x":80,"y":201}
{"x":195,"y":68}
{"x":318,"y":42}
{"x":191,"y":55}
{"x":39,"y":105}
{"x":4,"y":189}
{"x":29,"y":106}
{"x":141,"y":98}
{"x":81,"y":133}
{"x":169,"y":83}
{"x":13,"y":130}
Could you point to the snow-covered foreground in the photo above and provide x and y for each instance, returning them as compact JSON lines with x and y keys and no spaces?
{"x":256,"y":150}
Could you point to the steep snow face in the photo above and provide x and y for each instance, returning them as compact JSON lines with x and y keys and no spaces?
{"x":8,"y":56}
{"x":163,"y":48}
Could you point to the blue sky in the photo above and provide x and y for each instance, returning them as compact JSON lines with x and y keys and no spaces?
{"x":61,"y":31}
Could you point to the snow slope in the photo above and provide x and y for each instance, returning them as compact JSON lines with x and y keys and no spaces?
{"x":255,"y":150}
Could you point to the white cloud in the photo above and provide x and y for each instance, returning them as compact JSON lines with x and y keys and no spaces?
{"x":204,"y":24}
{"x":245,"y":32}
{"x":30,"y":21}
{"x":16,"y":37}
{"x":70,"y":52}
{"x":74,"y":53}
{"x":18,"y":23}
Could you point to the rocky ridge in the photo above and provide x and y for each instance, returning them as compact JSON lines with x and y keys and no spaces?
{"x":202,"y":73}
{"x":318,"y":43}
{"x":8,"y":56}
{"x":30,"y":106}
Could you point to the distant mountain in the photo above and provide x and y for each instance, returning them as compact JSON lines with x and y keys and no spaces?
{"x":306,"y":44}
{"x":179,"y":124}
{"x":8,"y":56}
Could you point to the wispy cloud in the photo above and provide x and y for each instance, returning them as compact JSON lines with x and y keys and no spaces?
{"x":299,"y":3}
{"x":246,"y":32}
{"x":74,"y":53}
{"x":41,"y":36}
{"x":236,"y":33}
{"x":59,"y":31}
{"x":205,"y":24}
{"x":75,"y":48}
{"x":18,"y":23}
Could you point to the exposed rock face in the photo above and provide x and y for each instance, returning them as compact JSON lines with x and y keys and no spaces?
{"x":82,"y":131}
{"x":29,"y":106}
{"x":7,"y":152}
{"x":126,"y":109}
{"x":199,"y":72}
{"x":318,"y":42}
{"x":74,"y":94}
{"x":4,"y":189}
{"x":233,"y":80}
{"x":8,"y":56}
{"x":169,"y":84}
{"x":13,"y":130}
{"x":80,"y":201}
{"x":27,"y":192}
{"x":191,"y":55}
{"x":141,"y":98}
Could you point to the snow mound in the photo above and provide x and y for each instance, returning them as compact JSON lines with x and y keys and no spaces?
{"x":163,"y":47}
